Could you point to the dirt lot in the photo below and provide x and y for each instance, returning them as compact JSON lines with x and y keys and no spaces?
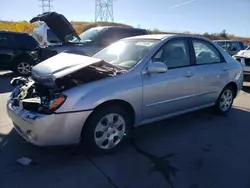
{"x":198,"y":150}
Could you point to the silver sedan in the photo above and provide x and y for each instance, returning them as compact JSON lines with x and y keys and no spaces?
{"x":71,"y":98}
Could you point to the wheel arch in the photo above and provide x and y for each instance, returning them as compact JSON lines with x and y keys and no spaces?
{"x":114,"y":102}
{"x":21,"y":56}
{"x":234,"y":86}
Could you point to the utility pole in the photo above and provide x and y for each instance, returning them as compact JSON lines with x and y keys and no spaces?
{"x":46,"y":5}
{"x":104,"y":11}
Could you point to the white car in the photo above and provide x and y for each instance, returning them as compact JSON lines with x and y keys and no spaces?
{"x":243,"y":56}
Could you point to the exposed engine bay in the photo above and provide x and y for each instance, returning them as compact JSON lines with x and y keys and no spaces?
{"x":36,"y":96}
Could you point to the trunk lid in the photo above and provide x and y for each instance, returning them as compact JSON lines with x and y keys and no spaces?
{"x":60,"y":26}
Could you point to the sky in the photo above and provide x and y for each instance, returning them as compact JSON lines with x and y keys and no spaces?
{"x":197,"y":16}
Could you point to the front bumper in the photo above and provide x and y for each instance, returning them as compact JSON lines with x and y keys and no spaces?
{"x":47,"y":130}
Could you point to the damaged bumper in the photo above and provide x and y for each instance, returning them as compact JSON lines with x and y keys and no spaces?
{"x":47,"y":130}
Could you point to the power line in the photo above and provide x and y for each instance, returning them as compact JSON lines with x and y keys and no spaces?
{"x":46,"y":5}
{"x":104,"y":11}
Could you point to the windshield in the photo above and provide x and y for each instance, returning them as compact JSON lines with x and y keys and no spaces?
{"x":90,"y":34}
{"x":126,"y":54}
{"x":248,"y":48}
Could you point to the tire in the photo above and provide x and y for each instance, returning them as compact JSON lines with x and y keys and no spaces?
{"x":23,"y":67}
{"x":225,"y":100}
{"x":111,"y":135}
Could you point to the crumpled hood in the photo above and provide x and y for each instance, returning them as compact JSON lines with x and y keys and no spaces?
{"x":61,"y":65}
{"x":243,"y":53}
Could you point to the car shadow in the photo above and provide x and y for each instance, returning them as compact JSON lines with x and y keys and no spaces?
{"x":246,"y":89}
{"x":5,"y":79}
{"x":191,"y":150}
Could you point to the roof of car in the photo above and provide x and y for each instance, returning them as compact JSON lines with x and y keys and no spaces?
{"x":12,"y":32}
{"x":164,"y":36}
{"x":152,"y":36}
{"x":225,"y":40}
{"x":121,"y":27}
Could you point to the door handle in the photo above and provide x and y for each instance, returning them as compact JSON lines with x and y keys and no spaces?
{"x":189,"y":74}
{"x":225,"y":68}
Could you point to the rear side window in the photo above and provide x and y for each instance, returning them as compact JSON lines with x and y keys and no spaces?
{"x":5,"y":40}
{"x":205,"y":52}
{"x":51,"y":37}
{"x":26,"y":42}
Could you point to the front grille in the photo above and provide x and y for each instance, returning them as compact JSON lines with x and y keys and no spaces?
{"x":247,"y":61}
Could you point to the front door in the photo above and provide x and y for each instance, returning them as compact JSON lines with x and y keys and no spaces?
{"x":211,"y":71}
{"x":174,"y":90}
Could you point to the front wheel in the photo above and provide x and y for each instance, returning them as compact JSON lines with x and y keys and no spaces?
{"x":107,"y":129}
{"x":225,"y":100}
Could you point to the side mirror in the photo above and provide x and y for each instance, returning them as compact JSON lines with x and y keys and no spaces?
{"x":157,"y":67}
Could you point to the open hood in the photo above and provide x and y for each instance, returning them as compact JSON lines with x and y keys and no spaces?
{"x":59,"y":25}
{"x":60,"y":65}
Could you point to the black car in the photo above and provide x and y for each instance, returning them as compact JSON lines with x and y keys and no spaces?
{"x":18,"y":52}
{"x":88,"y":43}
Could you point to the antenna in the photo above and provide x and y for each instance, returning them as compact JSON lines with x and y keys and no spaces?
{"x":46,"y":5}
{"x":104,"y":11}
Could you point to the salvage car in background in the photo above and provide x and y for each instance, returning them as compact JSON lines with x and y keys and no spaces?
{"x":88,"y":43}
{"x":231,"y":46}
{"x":243,"y":57}
{"x":132,"y":82}
{"x":18,"y":52}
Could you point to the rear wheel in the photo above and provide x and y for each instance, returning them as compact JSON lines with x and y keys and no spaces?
{"x":106,"y":129}
{"x":225,"y":100}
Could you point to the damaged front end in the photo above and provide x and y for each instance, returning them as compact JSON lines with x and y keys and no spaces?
{"x":44,"y":94}
{"x":35,"y":97}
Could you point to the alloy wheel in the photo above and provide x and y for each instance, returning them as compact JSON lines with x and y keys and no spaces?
{"x":226,"y":100}
{"x":109,"y":131}
{"x":24,"y":68}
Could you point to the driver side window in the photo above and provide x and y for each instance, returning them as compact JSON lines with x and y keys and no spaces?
{"x":175,"y":54}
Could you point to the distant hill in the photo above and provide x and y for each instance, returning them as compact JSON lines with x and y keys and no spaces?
{"x":80,"y":27}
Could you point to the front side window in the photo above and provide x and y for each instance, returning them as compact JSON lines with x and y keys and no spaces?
{"x":174,"y":54}
{"x":205,"y":52}
{"x":127,"y":53}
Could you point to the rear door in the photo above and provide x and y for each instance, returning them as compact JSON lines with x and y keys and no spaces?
{"x":211,"y":70}
{"x":6,"y":50}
